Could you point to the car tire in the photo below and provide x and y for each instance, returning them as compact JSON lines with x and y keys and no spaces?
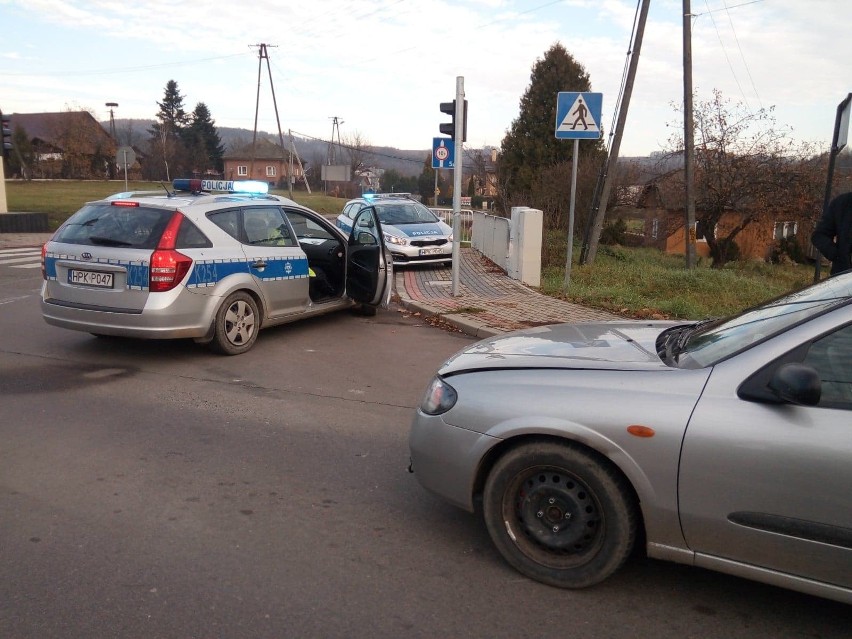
{"x":559,"y":515}
{"x":367,"y":310}
{"x":236,"y":324}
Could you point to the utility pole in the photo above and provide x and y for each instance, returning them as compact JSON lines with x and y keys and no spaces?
{"x":593,"y":234}
{"x":263,"y":54}
{"x":111,"y":105}
{"x":688,"y":139}
{"x":331,"y":156}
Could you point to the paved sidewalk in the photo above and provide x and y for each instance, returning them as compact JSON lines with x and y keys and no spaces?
{"x":489,"y":302}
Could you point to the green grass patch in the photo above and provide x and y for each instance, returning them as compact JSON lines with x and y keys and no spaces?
{"x":643,"y":282}
{"x":60,"y":198}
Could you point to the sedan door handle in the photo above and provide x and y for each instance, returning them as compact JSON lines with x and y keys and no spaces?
{"x":259,"y":264}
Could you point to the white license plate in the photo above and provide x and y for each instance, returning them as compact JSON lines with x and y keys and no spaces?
{"x":431,"y":251}
{"x":90,"y":278}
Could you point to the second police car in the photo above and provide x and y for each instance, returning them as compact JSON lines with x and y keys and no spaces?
{"x":215,"y":267}
{"x":412,"y":233}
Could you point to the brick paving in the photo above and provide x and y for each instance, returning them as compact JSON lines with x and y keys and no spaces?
{"x":489,"y":302}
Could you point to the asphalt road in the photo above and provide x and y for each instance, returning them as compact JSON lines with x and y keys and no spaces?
{"x":152,"y":489}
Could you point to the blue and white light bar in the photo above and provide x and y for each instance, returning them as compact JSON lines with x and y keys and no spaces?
{"x":249,"y":187}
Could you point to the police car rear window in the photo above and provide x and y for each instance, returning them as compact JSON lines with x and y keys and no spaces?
{"x":105,"y":225}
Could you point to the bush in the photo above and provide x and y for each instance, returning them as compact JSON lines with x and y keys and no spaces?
{"x":614,"y":232}
{"x":787,"y":249}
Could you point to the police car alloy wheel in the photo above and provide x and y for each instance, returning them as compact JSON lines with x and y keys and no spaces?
{"x":237,"y":323}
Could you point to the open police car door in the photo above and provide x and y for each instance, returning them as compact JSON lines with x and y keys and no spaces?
{"x":370,"y":268}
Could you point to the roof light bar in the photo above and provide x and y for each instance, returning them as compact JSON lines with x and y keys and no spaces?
{"x":249,"y":187}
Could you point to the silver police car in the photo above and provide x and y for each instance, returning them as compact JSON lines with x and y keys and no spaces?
{"x":412,"y":233}
{"x":212,"y":266}
{"x":724,"y":444}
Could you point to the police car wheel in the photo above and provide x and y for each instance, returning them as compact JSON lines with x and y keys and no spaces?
{"x":236,"y":325}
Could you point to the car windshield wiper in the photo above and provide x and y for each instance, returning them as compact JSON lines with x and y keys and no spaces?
{"x":677,"y":337}
{"x":108,"y":241}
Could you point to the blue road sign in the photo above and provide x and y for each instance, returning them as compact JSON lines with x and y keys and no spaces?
{"x":443,"y":153}
{"x":578,"y":115}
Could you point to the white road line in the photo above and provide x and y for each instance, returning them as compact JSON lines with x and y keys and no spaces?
{"x":31,"y":250}
{"x":18,"y":260}
{"x":36,"y":265}
{"x":9,"y":300}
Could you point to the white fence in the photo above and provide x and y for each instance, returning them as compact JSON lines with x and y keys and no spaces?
{"x":466,"y":220}
{"x":490,"y":236}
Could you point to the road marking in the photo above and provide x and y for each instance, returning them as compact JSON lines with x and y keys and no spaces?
{"x":19,"y":259}
{"x":19,"y":251}
{"x":36,"y":265}
{"x":9,"y":300}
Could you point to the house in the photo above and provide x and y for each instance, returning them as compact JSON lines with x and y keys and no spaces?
{"x":68,"y":144}
{"x":264,"y":161}
{"x":654,"y":216}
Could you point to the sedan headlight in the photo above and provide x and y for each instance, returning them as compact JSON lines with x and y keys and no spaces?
{"x":393,"y":239}
{"x":439,"y":397}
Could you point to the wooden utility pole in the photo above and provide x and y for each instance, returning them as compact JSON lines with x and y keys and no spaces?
{"x":590,"y":246}
{"x":689,"y":234}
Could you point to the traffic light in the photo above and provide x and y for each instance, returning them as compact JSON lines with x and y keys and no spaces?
{"x":5,"y":125}
{"x":449,"y":128}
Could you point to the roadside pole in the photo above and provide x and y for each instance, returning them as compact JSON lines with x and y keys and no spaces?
{"x":578,"y":117}
{"x":570,"y":256}
{"x":4,"y":207}
{"x":460,"y":117}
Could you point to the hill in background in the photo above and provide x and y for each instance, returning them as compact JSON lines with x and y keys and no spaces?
{"x":133,"y":132}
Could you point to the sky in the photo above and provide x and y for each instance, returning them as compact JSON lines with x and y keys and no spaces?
{"x":382,"y":67}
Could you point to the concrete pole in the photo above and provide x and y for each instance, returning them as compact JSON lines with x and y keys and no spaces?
{"x":688,"y":139}
{"x":4,"y":207}
{"x":591,"y":244}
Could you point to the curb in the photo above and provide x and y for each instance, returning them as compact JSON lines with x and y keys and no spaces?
{"x":467,"y":326}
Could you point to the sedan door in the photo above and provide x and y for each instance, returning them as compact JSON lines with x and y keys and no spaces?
{"x":770,"y":484}
{"x":369,"y":271}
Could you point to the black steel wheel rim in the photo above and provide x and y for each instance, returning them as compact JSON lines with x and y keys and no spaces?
{"x":558,"y":515}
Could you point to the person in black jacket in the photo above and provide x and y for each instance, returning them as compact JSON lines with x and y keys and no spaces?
{"x":833,"y":233}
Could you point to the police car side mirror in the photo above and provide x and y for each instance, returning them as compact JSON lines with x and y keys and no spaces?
{"x":796,"y":383}
{"x":366,"y":239}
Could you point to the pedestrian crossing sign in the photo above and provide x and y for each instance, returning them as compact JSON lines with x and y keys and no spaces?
{"x":578,"y":115}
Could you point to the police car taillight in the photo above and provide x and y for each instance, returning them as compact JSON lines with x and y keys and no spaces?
{"x":123,"y":203}
{"x":43,"y":258}
{"x":168,"y":266}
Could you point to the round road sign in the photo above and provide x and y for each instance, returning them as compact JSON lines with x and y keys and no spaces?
{"x":442,"y":153}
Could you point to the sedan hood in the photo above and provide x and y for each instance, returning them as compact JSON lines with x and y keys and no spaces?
{"x":415,"y":231}
{"x":618,"y":345}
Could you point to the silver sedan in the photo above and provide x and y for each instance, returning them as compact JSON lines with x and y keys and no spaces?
{"x":724,"y":444}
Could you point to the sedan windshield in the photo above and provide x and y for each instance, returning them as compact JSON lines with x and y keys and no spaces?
{"x":710,"y":342}
{"x":405,"y":213}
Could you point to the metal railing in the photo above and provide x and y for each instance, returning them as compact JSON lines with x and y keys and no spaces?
{"x":466,"y":221}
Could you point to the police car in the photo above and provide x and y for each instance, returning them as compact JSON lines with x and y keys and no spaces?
{"x":213,"y":266}
{"x":412,"y":233}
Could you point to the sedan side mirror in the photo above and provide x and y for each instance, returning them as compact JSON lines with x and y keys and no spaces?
{"x":797,"y":384}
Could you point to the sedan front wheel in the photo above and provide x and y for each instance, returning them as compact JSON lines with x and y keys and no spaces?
{"x":559,"y":515}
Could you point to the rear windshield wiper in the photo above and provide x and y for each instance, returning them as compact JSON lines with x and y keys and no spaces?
{"x":108,"y":241}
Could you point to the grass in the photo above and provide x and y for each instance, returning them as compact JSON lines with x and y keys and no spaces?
{"x":60,"y":198}
{"x":629,"y":281}
{"x":645,"y":283}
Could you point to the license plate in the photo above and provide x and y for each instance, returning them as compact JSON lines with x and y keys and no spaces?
{"x":431,"y":251}
{"x":90,"y":278}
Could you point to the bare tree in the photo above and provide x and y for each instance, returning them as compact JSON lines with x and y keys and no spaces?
{"x":746,"y":168}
